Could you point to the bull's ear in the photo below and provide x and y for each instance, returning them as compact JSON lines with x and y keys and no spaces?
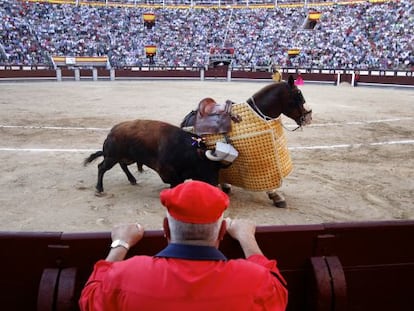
{"x":291,"y":81}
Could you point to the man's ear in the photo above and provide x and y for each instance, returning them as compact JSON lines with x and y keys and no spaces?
{"x":166,"y":227}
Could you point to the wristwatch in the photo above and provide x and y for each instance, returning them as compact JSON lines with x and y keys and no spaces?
{"x":120,"y":243}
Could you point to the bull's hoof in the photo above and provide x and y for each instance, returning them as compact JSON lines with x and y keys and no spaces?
{"x":278,"y":200}
{"x":226,"y":188}
{"x":100,"y":193}
{"x":133,"y":182}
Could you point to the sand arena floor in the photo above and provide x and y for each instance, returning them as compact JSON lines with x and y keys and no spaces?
{"x":354,"y":163}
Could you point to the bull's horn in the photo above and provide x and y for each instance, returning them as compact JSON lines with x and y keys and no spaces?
{"x":212,"y":156}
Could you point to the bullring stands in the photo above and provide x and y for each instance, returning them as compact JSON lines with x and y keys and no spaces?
{"x":360,"y":36}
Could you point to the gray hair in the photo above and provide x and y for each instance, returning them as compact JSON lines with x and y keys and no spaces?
{"x":189,"y":233}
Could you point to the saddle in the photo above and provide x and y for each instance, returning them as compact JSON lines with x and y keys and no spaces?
{"x":213,"y":118}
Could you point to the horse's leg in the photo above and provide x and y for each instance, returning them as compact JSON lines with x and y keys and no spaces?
{"x":104,"y":166}
{"x":226,"y":188}
{"x":278,"y":199}
{"x":131,"y":178}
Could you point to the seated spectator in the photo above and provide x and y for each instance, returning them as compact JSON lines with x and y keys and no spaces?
{"x":190,"y":273}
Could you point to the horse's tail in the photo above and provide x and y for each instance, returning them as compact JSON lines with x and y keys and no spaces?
{"x":92,"y":157}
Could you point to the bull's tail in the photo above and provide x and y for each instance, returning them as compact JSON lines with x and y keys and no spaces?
{"x":92,"y":157}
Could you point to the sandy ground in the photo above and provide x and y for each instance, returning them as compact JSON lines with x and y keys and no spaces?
{"x":354,"y":163}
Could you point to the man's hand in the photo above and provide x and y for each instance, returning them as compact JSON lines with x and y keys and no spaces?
{"x":130,"y":233}
{"x":243,"y":231}
{"x":240,"y":229}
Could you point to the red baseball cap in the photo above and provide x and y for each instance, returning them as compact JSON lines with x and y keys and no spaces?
{"x":195,"y":202}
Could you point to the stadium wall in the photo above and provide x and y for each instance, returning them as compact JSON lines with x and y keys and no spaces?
{"x":334,"y":76}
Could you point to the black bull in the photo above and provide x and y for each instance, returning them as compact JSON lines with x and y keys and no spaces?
{"x":175,"y":154}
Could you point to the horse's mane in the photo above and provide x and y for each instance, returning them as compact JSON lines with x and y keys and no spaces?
{"x":267,"y":88}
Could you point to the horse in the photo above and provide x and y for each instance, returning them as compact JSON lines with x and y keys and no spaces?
{"x":269,"y":102}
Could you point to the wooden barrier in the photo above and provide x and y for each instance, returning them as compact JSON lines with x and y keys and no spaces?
{"x":338,"y":266}
{"x":329,"y":76}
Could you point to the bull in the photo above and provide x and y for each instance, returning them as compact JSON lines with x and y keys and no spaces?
{"x":175,"y":154}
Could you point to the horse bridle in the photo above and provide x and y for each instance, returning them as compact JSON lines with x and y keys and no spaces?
{"x":301,"y":119}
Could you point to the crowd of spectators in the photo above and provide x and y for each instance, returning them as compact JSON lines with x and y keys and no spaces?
{"x":355,"y":36}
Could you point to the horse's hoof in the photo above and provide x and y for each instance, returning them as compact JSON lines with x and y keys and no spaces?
{"x":226,"y":188}
{"x":280,"y":204}
{"x":278,"y":200}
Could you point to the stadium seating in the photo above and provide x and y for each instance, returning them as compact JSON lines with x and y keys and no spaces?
{"x":359,"y":36}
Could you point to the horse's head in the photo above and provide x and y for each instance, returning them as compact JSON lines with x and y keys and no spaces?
{"x":281,"y":97}
{"x":295,"y":108}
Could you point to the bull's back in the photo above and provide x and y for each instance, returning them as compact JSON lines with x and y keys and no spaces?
{"x":146,"y":132}
{"x":141,"y":140}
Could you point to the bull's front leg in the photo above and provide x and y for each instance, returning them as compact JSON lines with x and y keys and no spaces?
{"x":171,"y":177}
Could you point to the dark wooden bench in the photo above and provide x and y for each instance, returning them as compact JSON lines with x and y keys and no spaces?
{"x":335,"y":266}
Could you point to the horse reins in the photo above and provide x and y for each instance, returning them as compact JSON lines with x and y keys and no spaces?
{"x":258,"y":110}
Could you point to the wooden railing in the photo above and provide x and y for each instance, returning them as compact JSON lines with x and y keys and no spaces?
{"x":335,"y":266}
{"x":331,"y":76}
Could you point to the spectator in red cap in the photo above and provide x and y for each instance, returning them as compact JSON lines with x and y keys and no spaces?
{"x":190,"y":273}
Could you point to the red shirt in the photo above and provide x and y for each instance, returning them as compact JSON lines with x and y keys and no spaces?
{"x":167,"y":283}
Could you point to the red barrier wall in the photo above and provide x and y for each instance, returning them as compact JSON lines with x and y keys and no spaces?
{"x":405,"y":78}
{"x":338,"y":266}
